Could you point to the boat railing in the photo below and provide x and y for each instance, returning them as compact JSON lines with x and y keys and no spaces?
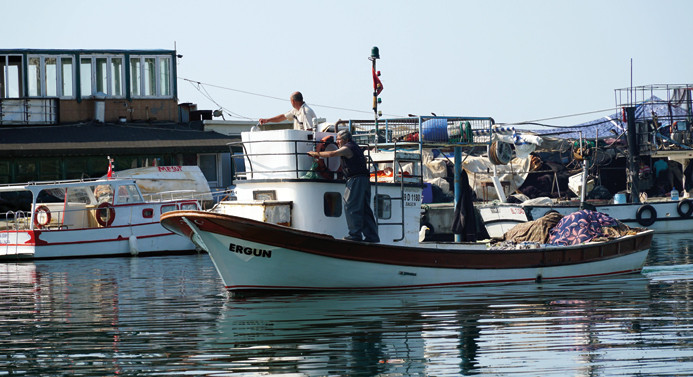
{"x":13,"y":220}
{"x":426,"y":131}
{"x":166,"y":196}
{"x":83,"y":216}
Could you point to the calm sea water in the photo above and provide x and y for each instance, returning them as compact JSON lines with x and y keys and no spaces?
{"x":165,"y":316}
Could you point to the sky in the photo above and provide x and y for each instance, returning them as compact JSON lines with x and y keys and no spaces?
{"x":557,"y":62}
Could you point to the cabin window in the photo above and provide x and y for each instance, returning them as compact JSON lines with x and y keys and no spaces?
{"x":85,"y":76}
{"x":264,"y":195}
{"x":383,"y":206}
{"x":79,"y":195}
{"x":129,"y":194}
{"x":332,"y":204}
{"x":147,"y":213}
{"x":188,"y":206}
{"x":168,"y":208}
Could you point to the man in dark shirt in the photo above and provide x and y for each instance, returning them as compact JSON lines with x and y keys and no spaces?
{"x":357,"y":193}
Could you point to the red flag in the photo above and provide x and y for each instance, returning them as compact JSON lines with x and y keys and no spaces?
{"x":377,"y":85}
{"x":109,"y":175}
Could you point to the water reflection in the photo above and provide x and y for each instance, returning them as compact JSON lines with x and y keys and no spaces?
{"x":429,"y":332}
{"x":170,"y":315}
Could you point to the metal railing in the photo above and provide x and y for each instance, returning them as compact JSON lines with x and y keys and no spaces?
{"x":14,"y":111}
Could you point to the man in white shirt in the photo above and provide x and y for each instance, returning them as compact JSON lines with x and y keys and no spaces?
{"x":301,"y":114}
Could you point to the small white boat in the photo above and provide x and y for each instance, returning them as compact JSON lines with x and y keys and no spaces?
{"x":662,"y":215}
{"x":285,"y":231}
{"x":84,"y":218}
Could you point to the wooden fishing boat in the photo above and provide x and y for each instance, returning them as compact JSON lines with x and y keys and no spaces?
{"x":284,"y":231}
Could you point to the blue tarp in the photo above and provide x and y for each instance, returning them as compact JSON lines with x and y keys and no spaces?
{"x":602,"y":127}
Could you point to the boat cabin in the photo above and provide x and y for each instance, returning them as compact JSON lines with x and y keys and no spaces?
{"x":282,"y":184}
{"x":79,"y":204}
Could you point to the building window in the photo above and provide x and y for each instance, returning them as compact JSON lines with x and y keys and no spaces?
{"x":116,"y":76}
{"x":50,"y":76}
{"x":102,"y":74}
{"x":85,"y":76}
{"x":34,"y":75}
{"x":150,"y":76}
{"x":135,"y":77}
{"x":165,"y":76}
{"x":10,"y":76}
{"x":66,"y":77}
{"x":50,"y":79}
{"x":210,"y":168}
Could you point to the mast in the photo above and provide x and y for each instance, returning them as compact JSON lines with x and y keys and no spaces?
{"x":377,"y":88}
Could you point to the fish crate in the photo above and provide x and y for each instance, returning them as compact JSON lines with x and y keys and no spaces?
{"x":424,"y":130}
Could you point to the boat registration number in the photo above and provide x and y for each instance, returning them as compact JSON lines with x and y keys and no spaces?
{"x":412,"y":198}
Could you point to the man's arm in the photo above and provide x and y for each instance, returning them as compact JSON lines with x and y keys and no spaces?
{"x":341,"y":152}
{"x":274,"y":119}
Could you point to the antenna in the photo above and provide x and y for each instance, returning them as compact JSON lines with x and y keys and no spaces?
{"x":631,"y":100}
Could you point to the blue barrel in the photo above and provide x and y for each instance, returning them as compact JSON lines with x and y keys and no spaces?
{"x":620,"y":198}
{"x":434,"y":130}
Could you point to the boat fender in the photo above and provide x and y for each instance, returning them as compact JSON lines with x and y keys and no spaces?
{"x":42,"y":216}
{"x":685,"y":208}
{"x":322,"y":166}
{"x":105,"y":214}
{"x":134,"y":250}
{"x":648,"y":220}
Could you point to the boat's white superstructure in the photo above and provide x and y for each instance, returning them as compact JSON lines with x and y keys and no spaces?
{"x":84,"y":218}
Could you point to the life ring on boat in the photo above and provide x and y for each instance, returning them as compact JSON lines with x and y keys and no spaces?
{"x":685,"y":208}
{"x":105,"y":214}
{"x":42,"y":216}
{"x":647,"y":221}
{"x":500,"y":153}
{"x":323,"y":168}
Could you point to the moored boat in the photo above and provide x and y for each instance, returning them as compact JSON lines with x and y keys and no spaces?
{"x":83,"y":218}
{"x":284,"y":232}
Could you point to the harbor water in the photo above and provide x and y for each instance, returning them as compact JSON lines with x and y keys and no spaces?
{"x":167,"y":316}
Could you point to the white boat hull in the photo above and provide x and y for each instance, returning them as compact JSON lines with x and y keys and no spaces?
{"x":289,"y":269}
{"x":298,"y":260}
{"x":668,"y":219}
{"x":148,"y":238}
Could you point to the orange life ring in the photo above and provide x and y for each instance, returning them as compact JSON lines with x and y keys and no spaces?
{"x":109,"y":210}
{"x":42,"y":216}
